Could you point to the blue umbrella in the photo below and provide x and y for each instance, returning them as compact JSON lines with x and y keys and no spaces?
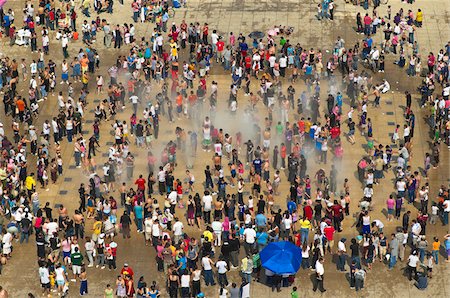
{"x":281,"y":257}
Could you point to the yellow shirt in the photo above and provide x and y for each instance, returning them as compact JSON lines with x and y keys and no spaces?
{"x":97,"y":227}
{"x":305,"y":224}
{"x":209,"y":235}
{"x":419,"y":16}
{"x":30,"y":183}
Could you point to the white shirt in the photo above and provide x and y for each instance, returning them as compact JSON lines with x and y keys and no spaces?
{"x":341,"y":246}
{"x":221,"y":267}
{"x":319,"y":268}
{"x":173,"y":197}
{"x":134,"y":99}
{"x":378,"y":223}
{"x":250,"y":235}
{"x":59,"y":273}
{"x":287,"y":223}
{"x":207,"y":202}
{"x":214,"y":38}
{"x":162,"y":176}
{"x":401,"y":185}
{"x":413,"y":260}
{"x":185,"y":281}
{"x":206,"y":263}
{"x":447,"y":203}
{"x":44,"y":275}
{"x":178,"y":228}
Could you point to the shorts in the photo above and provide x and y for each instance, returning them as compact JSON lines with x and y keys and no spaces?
{"x":46,"y":286}
{"x":391,"y":211}
{"x":76,"y":269}
{"x":378,"y":174}
{"x":191,"y":182}
{"x":66,"y":254}
{"x":266,"y":143}
{"x":60,"y":282}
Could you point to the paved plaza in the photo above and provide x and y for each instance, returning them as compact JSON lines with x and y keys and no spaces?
{"x":20,"y":273}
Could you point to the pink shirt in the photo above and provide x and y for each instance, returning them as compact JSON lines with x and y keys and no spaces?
{"x":390,"y":203}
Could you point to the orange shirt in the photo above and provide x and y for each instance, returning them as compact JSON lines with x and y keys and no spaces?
{"x":20,"y":105}
{"x":84,"y":62}
{"x":436,"y":245}
{"x":179,"y":100}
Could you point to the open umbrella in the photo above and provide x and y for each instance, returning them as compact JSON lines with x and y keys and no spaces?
{"x":256,"y":35}
{"x":2,"y":2}
{"x":281,"y":257}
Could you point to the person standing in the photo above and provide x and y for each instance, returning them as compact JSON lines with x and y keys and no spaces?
{"x":83,"y":282}
{"x":222,"y":272}
{"x":413,"y":261}
{"x":318,"y":279}
{"x":207,"y":271}
{"x":342,"y":255}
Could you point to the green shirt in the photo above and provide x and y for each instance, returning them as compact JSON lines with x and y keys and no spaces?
{"x":279,"y":128}
{"x":76,"y":258}
{"x":294,"y":294}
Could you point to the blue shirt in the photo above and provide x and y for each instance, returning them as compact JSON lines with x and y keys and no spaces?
{"x":291,"y":206}
{"x":260,"y":220}
{"x":262,"y":237}
{"x":257,"y":165}
{"x":138,"y":212}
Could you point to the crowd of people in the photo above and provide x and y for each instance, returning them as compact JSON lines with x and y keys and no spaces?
{"x":165,"y":77}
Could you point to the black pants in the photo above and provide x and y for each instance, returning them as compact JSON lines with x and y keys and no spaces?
{"x":410,"y":272}
{"x":207,"y":217}
{"x":318,"y":283}
{"x":112,"y":263}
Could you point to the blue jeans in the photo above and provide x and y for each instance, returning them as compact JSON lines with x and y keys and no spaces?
{"x":77,"y":156}
{"x":86,"y":12}
{"x":209,"y":278}
{"x":435,"y":254}
{"x":69,"y":135}
{"x":445,"y":218}
{"x":411,"y":195}
{"x":24,"y":236}
{"x":341,"y":262}
{"x":139,"y":224}
{"x":247,"y":277}
{"x":392,"y":261}
{"x":421,"y":254}
{"x":304,"y":235}
{"x":135,"y":16}
{"x":357,"y":261}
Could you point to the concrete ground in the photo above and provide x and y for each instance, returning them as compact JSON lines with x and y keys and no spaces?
{"x":20,"y":274}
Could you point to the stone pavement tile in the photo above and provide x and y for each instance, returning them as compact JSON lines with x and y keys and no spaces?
{"x":68,"y":179}
{"x":63,"y":192}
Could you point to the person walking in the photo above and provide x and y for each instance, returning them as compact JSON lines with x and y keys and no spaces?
{"x":319,"y":276}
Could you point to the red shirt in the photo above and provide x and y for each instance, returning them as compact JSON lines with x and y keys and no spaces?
{"x":140,"y":183}
{"x":220,"y":46}
{"x":329,"y":232}
{"x":308,"y":212}
{"x":248,"y":62}
{"x":367,"y":20}
{"x":127,"y":270}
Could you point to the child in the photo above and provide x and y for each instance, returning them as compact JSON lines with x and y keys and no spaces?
{"x":99,"y":84}
{"x":430,"y":265}
{"x":294,"y":293}
{"x":381,"y":64}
